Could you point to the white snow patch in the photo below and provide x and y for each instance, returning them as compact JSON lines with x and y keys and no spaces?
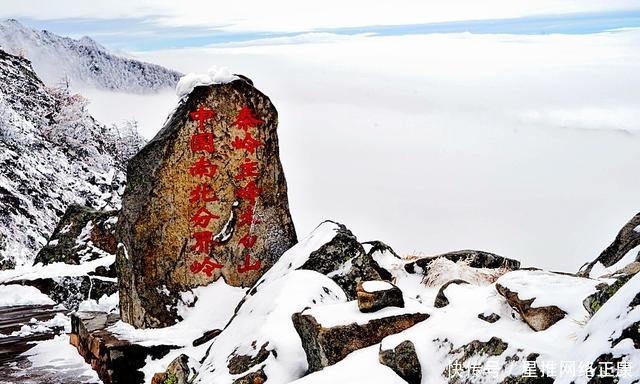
{"x":60,"y":357}
{"x":347,"y":313}
{"x":12,"y":295}
{"x":53,"y":270}
{"x":215,"y":75}
{"x":376,"y":285}
{"x":213,"y":309}
{"x":547,"y":288}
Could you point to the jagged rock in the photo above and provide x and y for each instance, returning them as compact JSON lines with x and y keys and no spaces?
{"x":404,"y":361}
{"x":207,"y":336}
{"x":83,"y":234}
{"x":492,"y":318}
{"x":375,"y":295}
{"x":441,"y":299}
{"x":627,"y":239}
{"x":538,"y":318}
{"x":206,"y":198}
{"x":257,"y":377}
{"x":612,"y":335}
{"x":326,"y":346}
{"x":474,"y":259}
{"x":242,"y":363}
{"x":345,"y":261}
{"x":177,"y":372}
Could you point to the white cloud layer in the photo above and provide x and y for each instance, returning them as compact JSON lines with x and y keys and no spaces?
{"x":291,"y":15}
{"x":526,"y":146}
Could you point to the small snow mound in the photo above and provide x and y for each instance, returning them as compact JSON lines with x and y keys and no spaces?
{"x":375,"y":286}
{"x":215,"y":75}
{"x":12,"y":295}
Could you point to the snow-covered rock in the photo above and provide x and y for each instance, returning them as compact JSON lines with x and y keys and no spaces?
{"x":83,"y":62}
{"x":52,"y":154}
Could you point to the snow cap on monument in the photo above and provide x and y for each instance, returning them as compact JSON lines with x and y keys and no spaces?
{"x":206,"y":199}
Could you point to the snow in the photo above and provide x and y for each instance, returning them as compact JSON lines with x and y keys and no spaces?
{"x":34,"y":326}
{"x":348,"y":313}
{"x":375,"y":286}
{"x":599,"y":270}
{"x":54,"y":270}
{"x":108,"y":304}
{"x":12,"y":295}
{"x":548,"y":288}
{"x":605,"y":327}
{"x":61,"y":359}
{"x":265,"y":317}
{"x":201,"y":317}
{"x":637,"y":229}
{"x":82,"y":63}
{"x":359,"y":367}
{"x":215,"y":75}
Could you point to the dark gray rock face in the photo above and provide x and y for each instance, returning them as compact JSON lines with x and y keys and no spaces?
{"x":441,"y":299}
{"x":626,"y":240}
{"x":205,"y":199}
{"x":371,"y":301}
{"x":475,"y":259}
{"x":326,"y":346}
{"x":404,"y":361}
{"x":344,"y":252}
{"x":538,"y":318}
{"x":492,"y":318}
{"x":83,"y":234}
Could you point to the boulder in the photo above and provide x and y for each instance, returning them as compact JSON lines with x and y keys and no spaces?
{"x":327,"y":346}
{"x":205,"y":199}
{"x":538,"y":318}
{"x":474,"y":259}
{"x":492,"y":318}
{"x":375,"y":295}
{"x":83,"y":234}
{"x":177,"y":372}
{"x":345,"y":261}
{"x":441,"y":300}
{"x":627,"y":239}
{"x":404,"y":361}
{"x":476,"y":267}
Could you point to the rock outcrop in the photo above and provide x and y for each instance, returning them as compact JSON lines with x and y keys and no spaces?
{"x":83,"y":234}
{"x":538,"y":318}
{"x":441,"y":299}
{"x":326,"y":346}
{"x":627,"y":240}
{"x":404,"y":361}
{"x":375,"y":295}
{"x":205,"y":199}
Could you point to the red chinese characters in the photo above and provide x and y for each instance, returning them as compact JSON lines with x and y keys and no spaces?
{"x":247,"y":169}
{"x":204,"y":193}
{"x":207,"y":266}
{"x":247,"y":266}
{"x":249,"y":192}
{"x":201,"y":115}
{"x":246,"y":119}
{"x":203,"y":217}
{"x":249,"y":143}
{"x":203,"y":242}
{"x":202,"y":142}
{"x":203,"y":167}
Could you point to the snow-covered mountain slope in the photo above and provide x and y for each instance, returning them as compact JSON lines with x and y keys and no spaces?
{"x":52,"y":154}
{"x":82,"y":62}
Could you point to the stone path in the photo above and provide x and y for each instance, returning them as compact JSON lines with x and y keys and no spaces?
{"x":15,"y":368}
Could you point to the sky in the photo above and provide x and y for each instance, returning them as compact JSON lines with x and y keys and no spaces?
{"x":510,"y":127}
{"x":161,"y":24}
